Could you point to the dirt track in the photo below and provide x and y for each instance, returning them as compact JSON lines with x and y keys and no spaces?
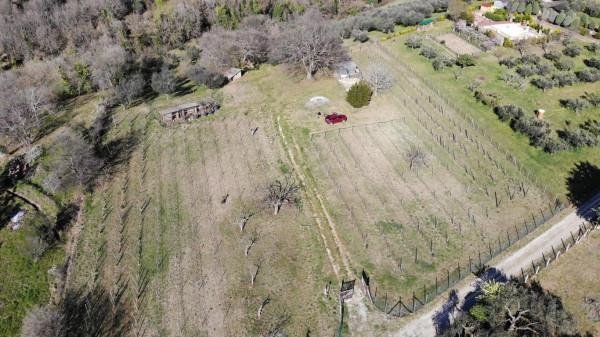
{"x":423,"y":325}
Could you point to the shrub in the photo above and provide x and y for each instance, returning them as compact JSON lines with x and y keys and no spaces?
{"x":497,"y":15}
{"x":44,"y":322}
{"x":508,"y":113}
{"x":486,"y":98}
{"x":202,"y":76}
{"x":507,"y":43}
{"x":527,"y":70}
{"x":593,"y":47}
{"x":509,"y":62}
{"x":574,"y":104}
{"x":360,"y":35}
{"x":589,"y":75}
{"x":441,"y":62}
{"x":429,"y":52}
{"x":414,"y":42}
{"x":537,"y":130}
{"x":572,"y":50}
{"x":564,"y":64}
{"x":544,"y":83}
{"x":592,"y":63}
{"x":553,"y":145}
{"x":552,"y":55}
{"x":564,"y":79}
{"x":359,"y":94}
{"x":591,"y":126}
{"x":465,"y":60}
{"x":592,"y":98}
{"x":578,"y":138}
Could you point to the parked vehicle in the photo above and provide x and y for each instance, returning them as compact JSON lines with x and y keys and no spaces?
{"x":335,"y":118}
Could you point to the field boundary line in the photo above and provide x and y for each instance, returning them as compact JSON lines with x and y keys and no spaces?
{"x":316,"y":194}
{"x":353,"y":126}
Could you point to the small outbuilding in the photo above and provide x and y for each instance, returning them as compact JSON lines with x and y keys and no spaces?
{"x":188,"y":111}
{"x":233,"y":74}
{"x":425,"y":24}
{"x":347,"y":290}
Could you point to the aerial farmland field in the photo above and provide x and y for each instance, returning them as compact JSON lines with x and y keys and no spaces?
{"x":408,"y":226}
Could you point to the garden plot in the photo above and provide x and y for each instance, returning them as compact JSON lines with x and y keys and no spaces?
{"x":457,"y":44}
{"x":406,"y":225}
{"x":165,"y":234}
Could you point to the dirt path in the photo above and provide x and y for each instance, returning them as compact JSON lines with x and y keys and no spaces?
{"x":511,"y":265}
{"x":339,"y":246}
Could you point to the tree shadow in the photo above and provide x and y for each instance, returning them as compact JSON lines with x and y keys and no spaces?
{"x":96,"y":313}
{"x":582,"y":183}
{"x":443,"y":318}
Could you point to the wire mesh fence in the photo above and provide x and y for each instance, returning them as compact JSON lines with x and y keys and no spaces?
{"x":406,"y":304}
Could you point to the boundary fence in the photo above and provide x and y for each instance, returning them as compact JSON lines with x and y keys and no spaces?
{"x":399,"y":305}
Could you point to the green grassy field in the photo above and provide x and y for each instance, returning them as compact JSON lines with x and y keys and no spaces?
{"x":550,"y":169}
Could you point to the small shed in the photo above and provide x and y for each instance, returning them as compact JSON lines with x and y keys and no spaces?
{"x":347,"y":69}
{"x":188,"y":111}
{"x":425,"y":24}
{"x":486,"y":7}
{"x":233,"y":74}
{"x":347,"y":290}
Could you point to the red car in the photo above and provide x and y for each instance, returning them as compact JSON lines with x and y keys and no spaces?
{"x":335,"y":118}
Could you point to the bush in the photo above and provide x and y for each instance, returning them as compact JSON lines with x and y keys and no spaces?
{"x":441,"y":62}
{"x":592,"y":63}
{"x":509,"y":62}
{"x":202,"y":76}
{"x":360,"y":35}
{"x":593,"y":47}
{"x":572,"y":50}
{"x":589,"y":75}
{"x":553,"y":145}
{"x":486,"y":98}
{"x":565,"y":79}
{"x":359,"y":94}
{"x":43,"y":322}
{"x":537,"y":130}
{"x":552,"y":55}
{"x":544,"y":83}
{"x":465,"y":60}
{"x":578,"y":138}
{"x":564,"y":64}
{"x":592,"y":98}
{"x":574,"y":104}
{"x":497,"y":15}
{"x":508,"y":113}
{"x":527,"y":70}
{"x":414,"y":42}
{"x":429,"y":52}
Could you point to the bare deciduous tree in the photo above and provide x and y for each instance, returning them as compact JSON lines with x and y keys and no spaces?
{"x":129,"y":89}
{"x":415,"y":157}
{"x":283,"y":191}
{"x":379,"y":77}
{"x":244,"y":218}
{"x":252,"y":239}
{"x":255,"y":270}
{"x":311,"y":42}
{"x":244,"y":47}
{"x":262,"y":306}
{"x":164,"y":82}
{"x":43,"y":322}
{"x":76,"y":163}
{"x":108,"y":63}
